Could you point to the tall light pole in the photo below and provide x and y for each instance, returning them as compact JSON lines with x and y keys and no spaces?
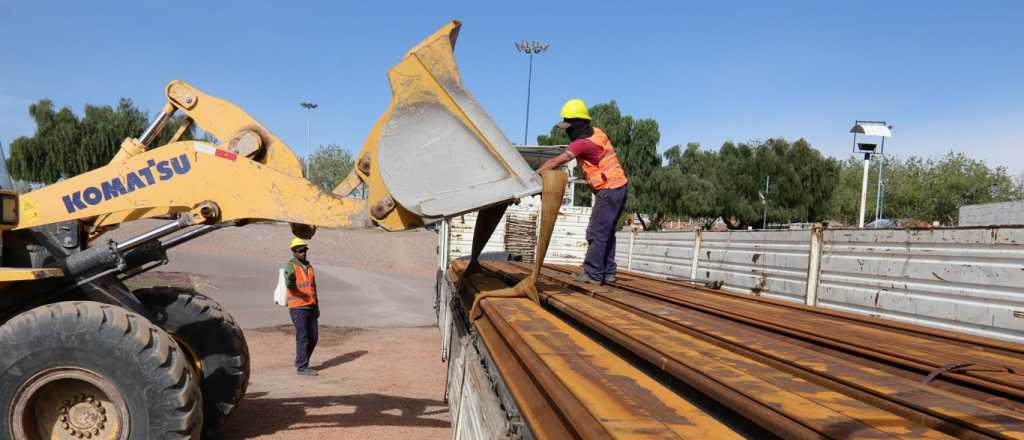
{"x":309,"y":106}
{"x":876,"y":129}
{"x":536,"y":47}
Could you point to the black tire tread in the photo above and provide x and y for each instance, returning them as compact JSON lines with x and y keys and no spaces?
{"x":217,"y":409}
{"x":177,"y":412}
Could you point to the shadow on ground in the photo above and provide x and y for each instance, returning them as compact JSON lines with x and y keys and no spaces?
{"x":258,"y":415}
{"x":341,"y":359}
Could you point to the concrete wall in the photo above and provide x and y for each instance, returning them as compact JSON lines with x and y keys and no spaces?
{"x":988,"y":214}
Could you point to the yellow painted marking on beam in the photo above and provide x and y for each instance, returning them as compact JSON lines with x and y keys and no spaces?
{"x":23,"y":274}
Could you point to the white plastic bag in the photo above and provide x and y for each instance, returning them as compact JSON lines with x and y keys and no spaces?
{"x":281,"y":291}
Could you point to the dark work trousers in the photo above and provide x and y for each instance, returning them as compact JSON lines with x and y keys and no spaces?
{"x":306,"y":334}
{"x":600,"y":260}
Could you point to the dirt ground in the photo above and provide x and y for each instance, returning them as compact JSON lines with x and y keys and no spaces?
{"x":384,"y":382}
{"x":373,"y":384}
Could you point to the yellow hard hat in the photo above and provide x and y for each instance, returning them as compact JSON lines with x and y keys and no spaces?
{"x":575,"y":109}
{"x":296,"y":242}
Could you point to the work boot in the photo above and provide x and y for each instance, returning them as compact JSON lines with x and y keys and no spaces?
{"x":582,"y":277}
{"x":307,"y":372}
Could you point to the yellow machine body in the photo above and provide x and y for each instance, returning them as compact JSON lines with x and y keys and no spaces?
{"x":415,"y":164}
{"x":434,"y":153}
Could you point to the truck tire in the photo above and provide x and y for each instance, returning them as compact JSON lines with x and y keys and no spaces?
{"x":81,"y":369}
{"x":211,"y":339}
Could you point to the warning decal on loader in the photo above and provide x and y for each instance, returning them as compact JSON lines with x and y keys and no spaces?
{"x":223,"y":154}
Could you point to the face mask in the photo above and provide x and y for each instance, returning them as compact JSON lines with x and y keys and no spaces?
{"x":578,"y":129}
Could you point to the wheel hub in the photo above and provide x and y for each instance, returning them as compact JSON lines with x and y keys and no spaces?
{"x":69,"y":404}
{"x":83,"y":415}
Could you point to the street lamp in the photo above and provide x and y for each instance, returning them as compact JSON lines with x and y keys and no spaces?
{"x":308,"y":106}
{"x":536,"y":47}
{"x":877,"y":129}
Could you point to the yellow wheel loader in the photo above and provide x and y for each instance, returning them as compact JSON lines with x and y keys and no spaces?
{"x":83,"y":356}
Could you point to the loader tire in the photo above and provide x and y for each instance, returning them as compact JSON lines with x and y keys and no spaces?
{"x":211,"y":339}
{"x":82,"y":369}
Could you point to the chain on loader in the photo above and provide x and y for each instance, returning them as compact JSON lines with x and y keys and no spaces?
{"x":86,"y":357}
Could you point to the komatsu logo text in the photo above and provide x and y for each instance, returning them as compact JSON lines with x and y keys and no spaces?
{"x":92,"y":196}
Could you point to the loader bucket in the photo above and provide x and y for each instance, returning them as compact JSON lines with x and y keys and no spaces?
{"x":435,"y":152}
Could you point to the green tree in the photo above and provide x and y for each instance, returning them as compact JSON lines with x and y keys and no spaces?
{"x":846,"y":197}
{"x":1018,"y":187}
{"x":689,"y":183}
{"x":806,"y":182}
{"x":801,"y":188}
{"x":737,"y":198}
{"x":922,"y":189}
{"x":65,"y":145}
{"x":329,"y":165}
{"x":636,"y":143}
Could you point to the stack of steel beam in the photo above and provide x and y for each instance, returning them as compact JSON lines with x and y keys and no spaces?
{"x":656,"y":358}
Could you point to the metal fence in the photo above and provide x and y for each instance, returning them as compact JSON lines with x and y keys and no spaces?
{"x":963,"y":279}
{"x":665,"y":253}
{"x":768,"y":263}
{"x":969,"y":280}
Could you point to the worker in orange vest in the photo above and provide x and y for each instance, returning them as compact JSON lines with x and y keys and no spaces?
{"x":591,"y":148}
{"x":302,"y":305}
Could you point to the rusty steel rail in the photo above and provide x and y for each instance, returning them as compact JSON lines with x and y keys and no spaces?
{"x":797,"y":390}
{"x":639,"y":280}
{"x":990,"y":365}
{"x":569,"y":386}
{"x":545,"y":419}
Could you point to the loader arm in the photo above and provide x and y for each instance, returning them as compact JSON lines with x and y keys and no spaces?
{"x":213,"y":184}
{"x":434,"y":153}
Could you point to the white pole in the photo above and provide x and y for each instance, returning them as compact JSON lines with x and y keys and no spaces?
{"x":767,"y":180}
{"x":307,"y":143}
{"x":813,"y":267}
{"x":864,"y":189}
{"x":878,"y":194}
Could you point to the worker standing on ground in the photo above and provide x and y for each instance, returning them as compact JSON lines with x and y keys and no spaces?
{"x":593,"y":150}
{"x":302,"y":305}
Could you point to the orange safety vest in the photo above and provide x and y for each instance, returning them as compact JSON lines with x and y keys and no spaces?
{"x":608,"y":173}
{"x":304,"y":293}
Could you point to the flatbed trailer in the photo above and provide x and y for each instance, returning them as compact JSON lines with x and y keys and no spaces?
{"x":645,"y":357}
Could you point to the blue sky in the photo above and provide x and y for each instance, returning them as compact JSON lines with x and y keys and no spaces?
{"x":949,"y":75}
